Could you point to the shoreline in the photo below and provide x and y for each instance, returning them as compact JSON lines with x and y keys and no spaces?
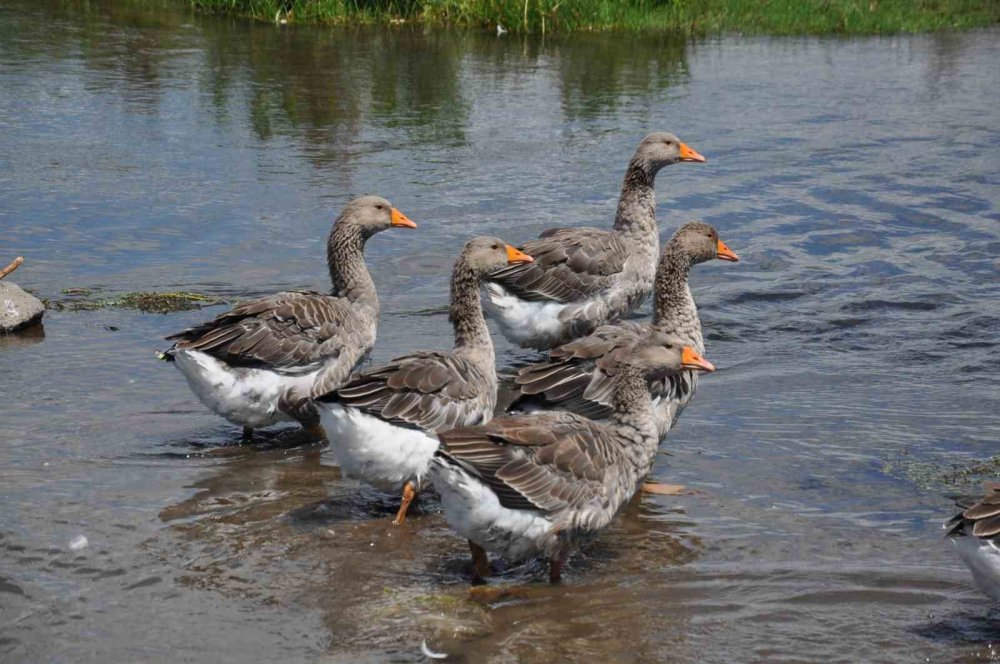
{"x":688,"y":17}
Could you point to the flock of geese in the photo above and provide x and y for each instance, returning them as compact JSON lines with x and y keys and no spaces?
{"x":586,"y":421}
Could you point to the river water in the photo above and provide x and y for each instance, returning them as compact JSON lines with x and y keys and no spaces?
{"x":857,"y":340}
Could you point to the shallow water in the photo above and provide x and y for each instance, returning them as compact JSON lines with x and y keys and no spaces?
{"x":857,"y":340}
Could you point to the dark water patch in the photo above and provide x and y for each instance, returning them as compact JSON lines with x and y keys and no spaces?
{"x":829,"y":243}
{"x":145,"y":583}
{"x":360,"y":502}
{"x":966,"y":628}
{"x":876,"y":269}
{"x":10,"y":588}
{"x":958,"y":203}
{"x":766,"y":296}
{"x":887,"y":305}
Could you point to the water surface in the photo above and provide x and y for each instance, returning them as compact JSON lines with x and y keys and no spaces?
{"x":857,"y":340}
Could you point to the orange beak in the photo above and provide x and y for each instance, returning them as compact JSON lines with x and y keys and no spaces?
{"x":517,"y":256}
{"x":690,"y":359}
{"x":725,"y":253}
{"x":687,"y":154}
{"x":400,"y":219}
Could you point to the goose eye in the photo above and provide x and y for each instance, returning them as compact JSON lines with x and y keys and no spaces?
{"x":379,"y":207}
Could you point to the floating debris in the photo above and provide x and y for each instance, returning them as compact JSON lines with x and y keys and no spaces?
{"x":162,"y":303}
{"x":146,"y":301}
{"x":940,"y":472}
{"x":430,"y":654}
{"x":78,"y":543}
{"x":664,"y":489}
{"x":14,"y":264}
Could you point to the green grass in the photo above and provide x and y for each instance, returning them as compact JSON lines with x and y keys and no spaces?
{"x":780,"y":17}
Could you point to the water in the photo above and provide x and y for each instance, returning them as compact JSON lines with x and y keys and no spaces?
{"x":143,"y":149}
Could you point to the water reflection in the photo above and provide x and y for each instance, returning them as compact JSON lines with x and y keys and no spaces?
{"x":319,"y":87}
{"x":385,"y":589}
{"x":596,"y":72}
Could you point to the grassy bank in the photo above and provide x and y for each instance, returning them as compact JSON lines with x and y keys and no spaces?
{"x":780,"y":17}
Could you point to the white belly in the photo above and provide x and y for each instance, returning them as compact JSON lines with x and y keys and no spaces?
{"x":983,"y":559}
{"x":248,"y":397}
{"x":474,"y":512}
{"x":374,"y":450}
{"x":525,"y":323}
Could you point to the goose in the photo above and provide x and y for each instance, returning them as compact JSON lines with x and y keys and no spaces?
{"x":381,"y":423}
{"x":585,"y":277}
{"x":258,"y":363}
{"x":537,"y":485}
{"x":975,"y":532}
{"x":577,"y":376}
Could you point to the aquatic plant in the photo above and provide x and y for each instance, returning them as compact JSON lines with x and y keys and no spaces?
{"x":145,"y":301}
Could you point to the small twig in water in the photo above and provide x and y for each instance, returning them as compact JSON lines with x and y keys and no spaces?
{"x":14,"y":264}
{"x":430,"y":654}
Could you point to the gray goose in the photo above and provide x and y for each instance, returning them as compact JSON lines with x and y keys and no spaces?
{"x":975,"y":532}
{"x":585,"y":277}
{"x":536,"y":485}
{"x":258,"y":363}
{"x":577,"y":376}
{"x":381,"y":423}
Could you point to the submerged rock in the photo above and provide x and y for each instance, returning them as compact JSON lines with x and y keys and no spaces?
{"x":18,"y":309}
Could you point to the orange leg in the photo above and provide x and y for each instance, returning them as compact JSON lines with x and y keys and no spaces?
{"x":409,"y":493}
{"x":480,"y":563}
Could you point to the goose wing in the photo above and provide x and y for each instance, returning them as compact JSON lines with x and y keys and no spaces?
{"x":980,"y":518}
{"x":578,"y":375}
{"x":429,"y":391}
{"x":292,"y":331}
{"x":548,"y":461}
{"x":570,"y":264}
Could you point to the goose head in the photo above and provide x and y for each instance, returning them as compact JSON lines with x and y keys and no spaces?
{"x":484,"y":255}
{"x":659,"y":354}
{"x":373,"y":214}
{"x":701,"y":242}
{"x":661,"y":149}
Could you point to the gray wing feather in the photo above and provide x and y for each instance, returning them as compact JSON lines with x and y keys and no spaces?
{"x":982,"y":518}
{"x":578,"y":375}
{"x":571,"y":264}
{"x":548,"y":461}
{"x":430,"y":391}
{"x":291,"y":331}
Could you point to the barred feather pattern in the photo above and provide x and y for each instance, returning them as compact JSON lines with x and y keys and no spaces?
{"x":267,"y":357}
{"x":584,"y":277}
{"x":577,"y":376}
{"x":556,"y":469}
{"x":975,"y":532}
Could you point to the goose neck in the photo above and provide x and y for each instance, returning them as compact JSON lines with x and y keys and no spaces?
{"x":466,"y":314}
{"x":349,"y":276}
{"x":672,"y":298}
{"x":636,"y":214}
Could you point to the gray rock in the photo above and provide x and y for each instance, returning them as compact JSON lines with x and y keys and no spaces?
{"x":17,"y":308}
